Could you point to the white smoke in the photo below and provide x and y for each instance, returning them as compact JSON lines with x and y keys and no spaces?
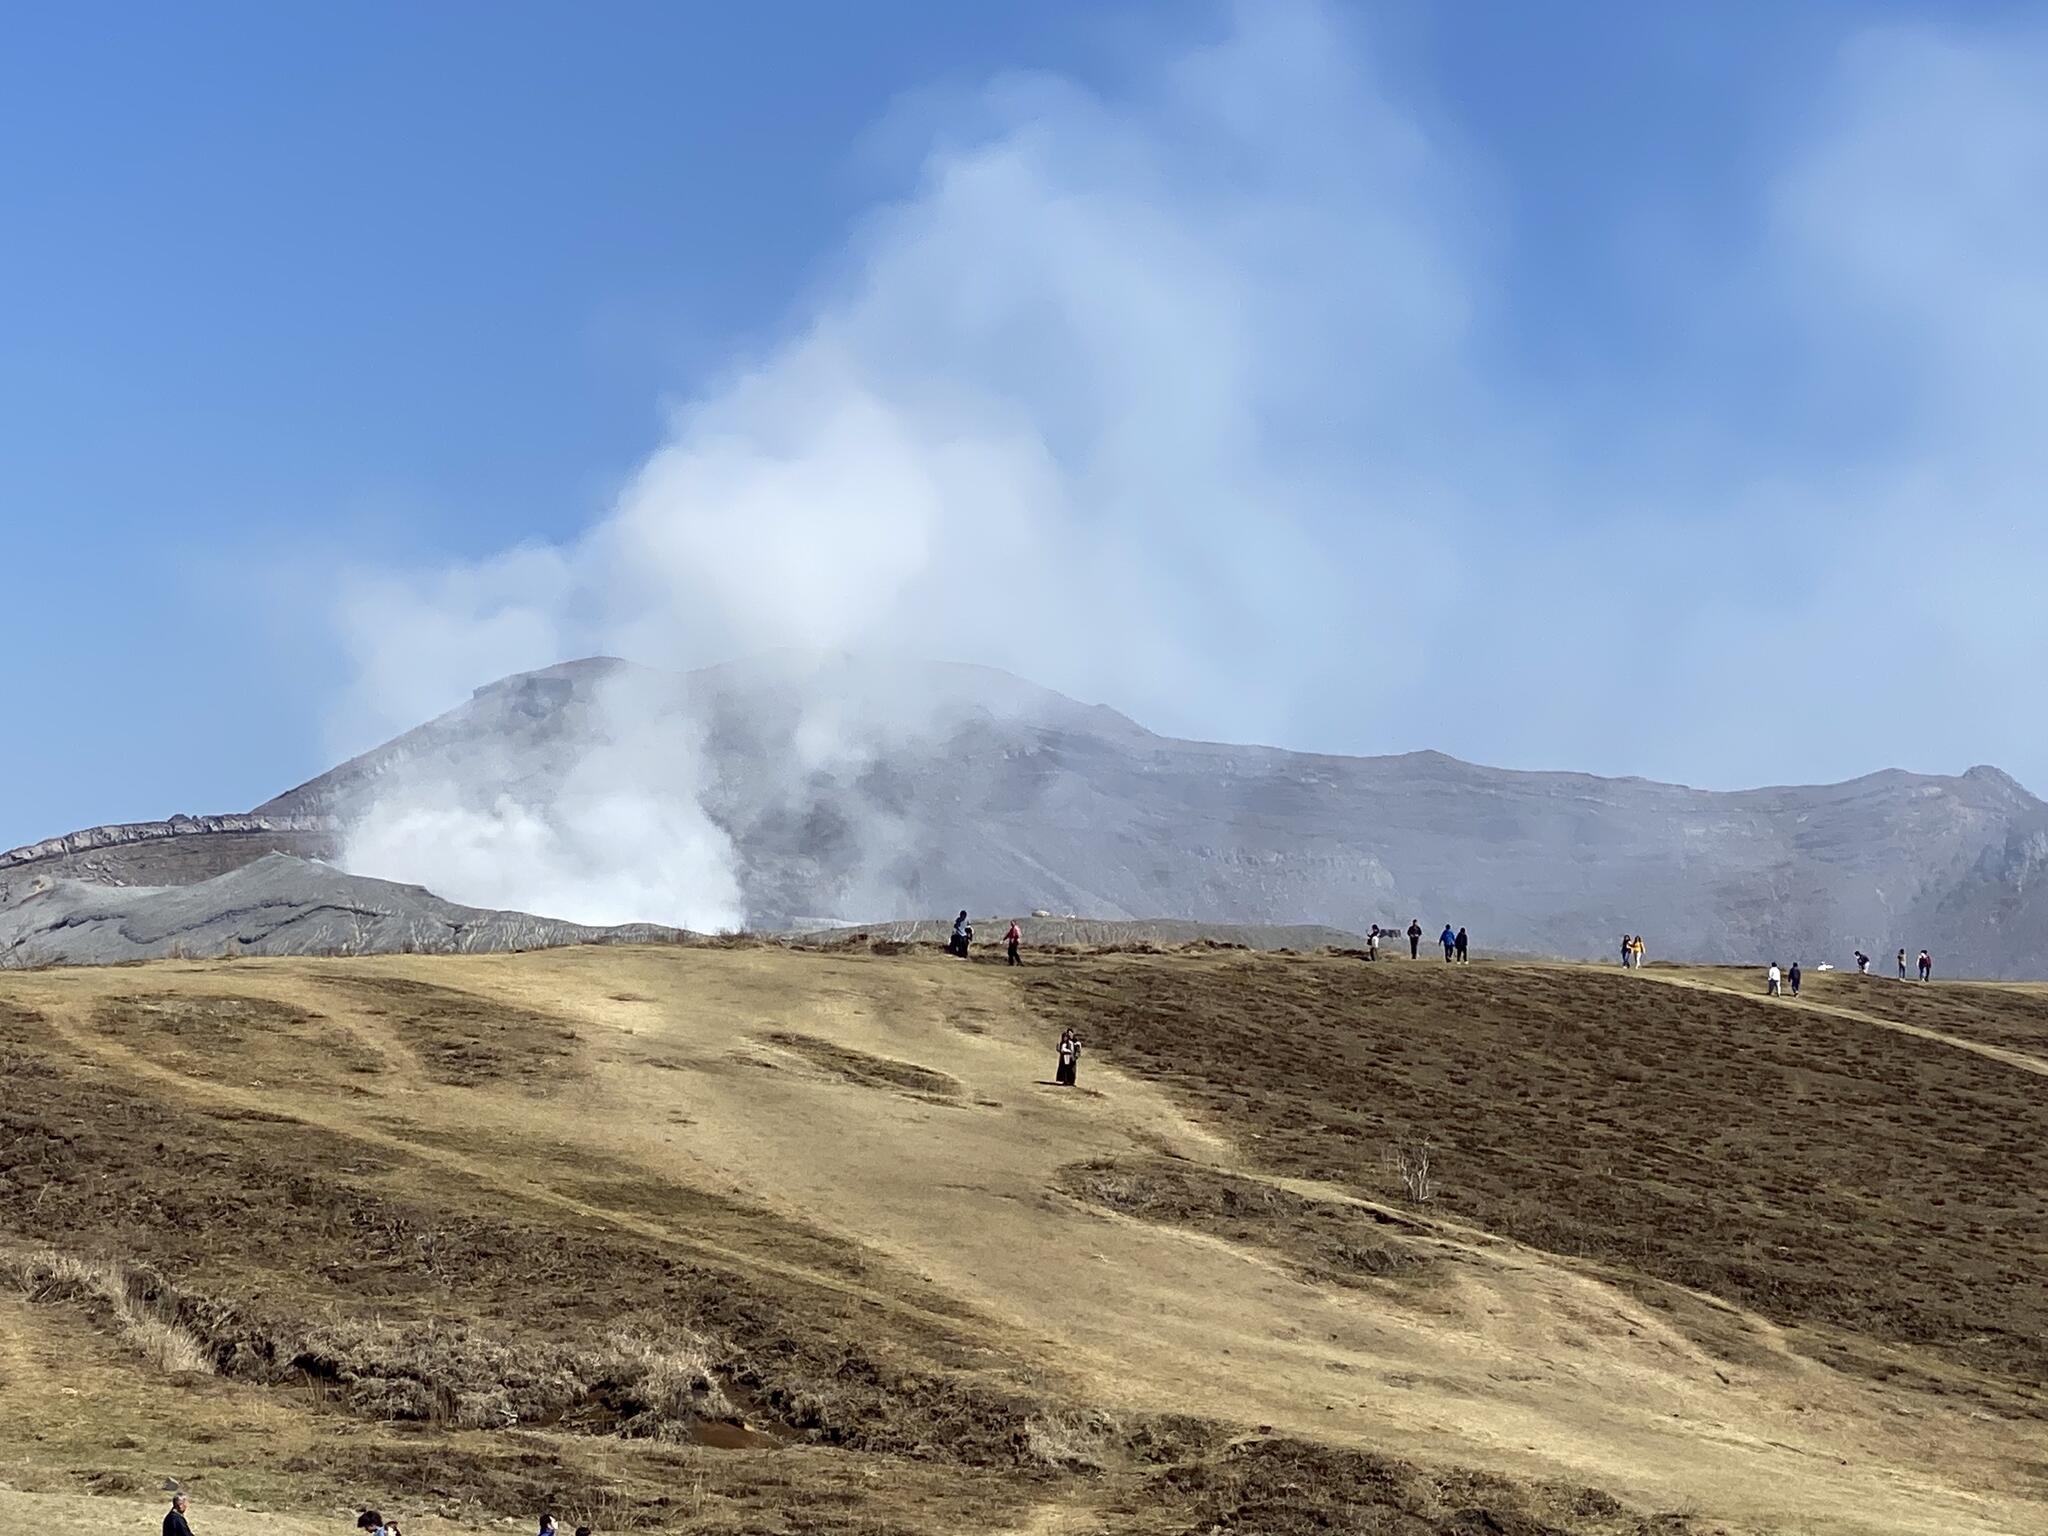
{"x":1031,"y":417}
{"x":620,"y":838}
{"x":1189,"y":399}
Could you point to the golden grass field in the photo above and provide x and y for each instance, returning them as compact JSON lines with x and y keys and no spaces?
{"x":754,"y":1239}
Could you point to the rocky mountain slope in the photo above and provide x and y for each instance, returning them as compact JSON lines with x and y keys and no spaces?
{"x":861,"y":790}
{"x":278,"y":905}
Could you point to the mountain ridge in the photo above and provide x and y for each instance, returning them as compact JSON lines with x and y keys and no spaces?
{"x":877,"y":789}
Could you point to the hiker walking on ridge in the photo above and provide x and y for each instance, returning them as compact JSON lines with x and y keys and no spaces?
{"x":175,"y":1523}
{"x":1464,"y":948}
{"x":1793,"y":977}
{"x":1926,"y":966}
{"x":1636,"y":951}
{"x":1372,"y":943}
{"x":1902,"y":965}
{"x":1070,"y":1058}
{"x":962,"y":932}
{"x":1449,"y":940}
{"x":1414,"y":938}
{"x":1628,"y":952}
{"x":1771,"y":980}
{"x":1012,"y":939}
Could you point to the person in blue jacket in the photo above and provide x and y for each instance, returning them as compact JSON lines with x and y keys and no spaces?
{"x":1449,"y":942}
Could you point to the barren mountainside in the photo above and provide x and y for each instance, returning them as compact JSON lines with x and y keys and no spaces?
{"x":959,"y":786}
{"x":867,"y":790}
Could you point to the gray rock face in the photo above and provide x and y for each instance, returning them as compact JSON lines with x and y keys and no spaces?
{"x":181,"y":851}
{"x":278,"y":905}
{"x":871,"y":790}
{"x":953,"y":786}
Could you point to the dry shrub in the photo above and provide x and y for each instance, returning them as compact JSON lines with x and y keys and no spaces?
{"x":143,"y":1313}
{"x":1072,"y":1439}
{"x":655,"y":1384}
{"x":667,"y":1377}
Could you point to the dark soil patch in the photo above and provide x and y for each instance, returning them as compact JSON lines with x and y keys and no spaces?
{"x":228,"y":1038}
{"x":1327,"y":1242}
{"x":463,"y":1040}
{"x":868,"y":1071}
{"x":1293,"y":1488}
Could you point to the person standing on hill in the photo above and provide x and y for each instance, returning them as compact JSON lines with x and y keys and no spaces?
{"x":1414,"y":938}
{"x":1069,"y":1059}
{"x":1464,"y":948}
{"x":962,"y":932}
{"x":1013,"y":939}
{"x":1449,"y":940}
{"x":1902,"y":965}
{"x":1771,"y":980}
{"x":1372,"y":943}
{"x":1636,"y":945}
{"x":1628,"y":952}
{"x":175,"y":1523}
{"x":1926,"y":966}
{"x":1793,"y":977}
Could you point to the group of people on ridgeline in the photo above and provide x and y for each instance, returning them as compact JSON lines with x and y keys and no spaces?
{"x":176,"y":1522}
{"x":963,"y":935}
{"x":1631,"y":952}
{"x":1457,"y":946}
{"x":1775,"y":981}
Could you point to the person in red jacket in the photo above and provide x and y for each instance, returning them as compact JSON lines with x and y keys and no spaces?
{"x":1012,"y":939}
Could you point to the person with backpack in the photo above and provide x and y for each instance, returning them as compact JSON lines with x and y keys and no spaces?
{"x":1414,"y":938}
{"x":1926,"y":966}
{"x":1013,"y":939}
{"x":1464,"y":948}
{"x":962,"y":932}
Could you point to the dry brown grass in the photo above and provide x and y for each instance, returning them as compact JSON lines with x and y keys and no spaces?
{"x":139,"y":1312}
{"x":533,"y":1272}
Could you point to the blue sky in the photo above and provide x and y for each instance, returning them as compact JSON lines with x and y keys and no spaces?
{"x":1637,"y":389}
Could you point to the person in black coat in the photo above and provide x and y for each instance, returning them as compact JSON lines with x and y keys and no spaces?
{"x":1414,"y":938}
{"x":1070,"y":1058}
{"x":175,"y":1523}
{"x":1464,"y":950}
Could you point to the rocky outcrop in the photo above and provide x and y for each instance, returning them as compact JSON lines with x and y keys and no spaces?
{"x":183,"y":850}
{"x":277,"y":905}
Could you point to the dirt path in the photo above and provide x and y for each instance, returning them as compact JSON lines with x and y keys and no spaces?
{"x":2011,"y":1058}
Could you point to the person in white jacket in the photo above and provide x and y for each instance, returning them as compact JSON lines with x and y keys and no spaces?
{"x":1771,"y":978}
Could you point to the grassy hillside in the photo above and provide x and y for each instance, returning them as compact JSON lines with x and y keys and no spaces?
{"x":749,"y":1239}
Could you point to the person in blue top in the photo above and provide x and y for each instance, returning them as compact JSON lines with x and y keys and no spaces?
{"x":1449,"y":942}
